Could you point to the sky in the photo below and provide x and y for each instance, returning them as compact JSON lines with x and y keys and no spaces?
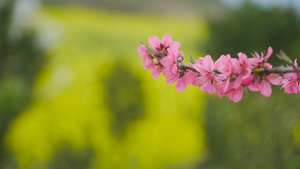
{"x":268,"y":3}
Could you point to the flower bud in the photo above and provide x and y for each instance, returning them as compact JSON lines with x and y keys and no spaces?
{"x":180,"y":57}
{"x":285,"y":58}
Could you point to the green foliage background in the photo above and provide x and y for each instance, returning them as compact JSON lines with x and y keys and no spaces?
{"x":257,"y":132}
{"x":92,"y":105}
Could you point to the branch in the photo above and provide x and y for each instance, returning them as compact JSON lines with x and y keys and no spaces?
{"x":278,"y":70}
{"x":282,"y":70}
{"x":236,"y":75}
{"x":185,"y":67}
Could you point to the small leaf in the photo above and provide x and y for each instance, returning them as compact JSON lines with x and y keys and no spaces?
{"x":256,"y":70}
{"x":148,"y":48}
{"x":191,"y":59}
{"x":285,"y":57}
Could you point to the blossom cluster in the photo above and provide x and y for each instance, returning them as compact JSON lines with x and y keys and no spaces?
{"x":227,"y":76}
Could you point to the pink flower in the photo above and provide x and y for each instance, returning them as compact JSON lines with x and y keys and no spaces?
{"x":187,"y":78}
{"x":170,"y":69}
{"x":245,"y":66}
{"x":240,"y":72}
{"x":225,"y":64}
{"x":231,"y":75}
{"x":207,"y":80}
{"x":260,"y":60}
{"x":227,"y":76}
{"x":261,"y":82}
{"x":155,"y":71}
{"x":146,"y":58}
{"x":148,"y":62}
{"x":172,"y":73}
{"x":235,"y":94}
{"x":166,"y":44}
{"x":291,"y":81}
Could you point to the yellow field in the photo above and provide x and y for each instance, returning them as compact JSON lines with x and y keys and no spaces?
{"x":78,"y":90}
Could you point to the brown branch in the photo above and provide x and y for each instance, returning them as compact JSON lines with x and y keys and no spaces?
{"x":185,"y":67}
{"x":281,"y":70}
{"x":277,"y":70}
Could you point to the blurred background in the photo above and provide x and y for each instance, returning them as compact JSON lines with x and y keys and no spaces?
{"x":74,"y":94}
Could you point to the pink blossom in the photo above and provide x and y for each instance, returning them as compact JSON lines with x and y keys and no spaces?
{"x":291,"y":81}
{"x":207,"y":80}
{"x":155,"y":71}
{"x":235,"y":94}
{"x":172,"y":73}
{"x":239,"y":73}
{"x":227,"y":76}
{"x":148,"y":62}
{"x":166,"y":44}
{"x":261,"y":82}
{"x":170,"y":69}
{"x":274,"y":79}
{"x":260,"y":60}
{"x":245,"y":66}
{"x":186,"y":79}
{"x":233,"y":91}
{"x":231,"y":74}
{"x":264,"y":87}
{"x":225,"y":64}
{"x":146,"y":58}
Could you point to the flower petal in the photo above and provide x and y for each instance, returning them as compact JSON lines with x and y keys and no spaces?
{"x":238,"y":82}
{"x":199,"y":68}
{"x":156,"y":72}
{"x":270,"y":51}
{"x":189,"y":77}
{"x":180,"y":85}
{"x":166,"y":39}
{"x":154,"y":41}
{"x":167,"y":62}
{"x":209,"y":89}
{"x":295,"y":63}
{"x":142,"y":50}
{"x":247,"y":73}
{"x":171,"y":79}
{"x":274,"y":79}
{"x":208,"y":63}
{"x":238,"y":94}
{"x":253,"y":87}
{"x":174,"y":45}
{"x":265,"y":89}
{"x":226,"y":86}
{"x":147,"y":62}
{"x":219,"y":90}
{"x":173,"y":54}
{"x":174,"y":69}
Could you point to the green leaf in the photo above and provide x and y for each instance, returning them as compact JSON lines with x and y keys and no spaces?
{"x":148,"y":48}
{"x":256,"y":70}
{"x":191,"y":59}
{"x":284,"y":57}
